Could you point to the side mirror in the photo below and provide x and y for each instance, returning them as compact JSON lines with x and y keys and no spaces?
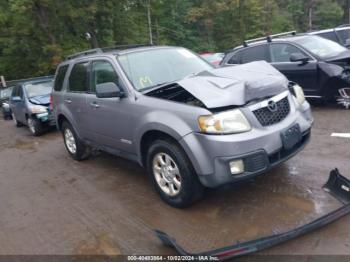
{"x":298,"y":57}
{"x":108,"y":90}
{"x":16,"y":99}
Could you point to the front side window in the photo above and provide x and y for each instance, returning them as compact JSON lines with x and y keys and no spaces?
{"x":321,"y":47}
{"x":61,"y":73}
{"x":78,"y":79}
{"x":255,"y":53}
{"x":282,"y":52}
{"x":102,"y":72}
{"x":38,"y":89}
{"x":147,"y":69}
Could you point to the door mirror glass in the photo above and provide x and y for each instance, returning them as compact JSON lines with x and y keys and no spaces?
{"x":16,"y":99}
{"x":298,"y":57}
{"x":108,"y":90}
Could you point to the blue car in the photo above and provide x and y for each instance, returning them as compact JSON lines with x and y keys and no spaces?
{"x":4,"y":102}
{"x":30,"y":104}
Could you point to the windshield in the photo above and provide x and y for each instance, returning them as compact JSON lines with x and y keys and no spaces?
{"x":151,"y":68}
{"x":321,"y":47}
{"x":5,"y":93}
{"x":39,"y":89}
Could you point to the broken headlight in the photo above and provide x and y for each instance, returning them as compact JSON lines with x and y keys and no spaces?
{"x":299,"y":93}
{"x":38,"y":109}
{"x":228,"y":122}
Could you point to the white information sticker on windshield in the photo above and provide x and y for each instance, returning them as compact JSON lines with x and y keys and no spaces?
{"x":186,"y":53}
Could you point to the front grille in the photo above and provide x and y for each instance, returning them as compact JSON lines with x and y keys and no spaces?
{"x":267,"y":117}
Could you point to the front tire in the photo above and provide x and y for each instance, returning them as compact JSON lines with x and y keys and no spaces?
{"x":172,"y":174}
{"x":35,"y":127}
{"x":75,"y":147}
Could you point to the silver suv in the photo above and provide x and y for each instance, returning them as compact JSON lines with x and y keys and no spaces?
{"x":190,"y":124}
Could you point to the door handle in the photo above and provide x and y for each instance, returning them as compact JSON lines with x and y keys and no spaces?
{"x":94,"y":105}
{"x":68,"y":101}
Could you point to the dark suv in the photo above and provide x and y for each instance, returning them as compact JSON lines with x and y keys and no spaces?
{"x":320,"y":66}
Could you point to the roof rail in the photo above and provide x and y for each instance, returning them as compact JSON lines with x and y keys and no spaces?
{"x":126,"y":46}
{"x":268,"y":38}
{"x":85,"y":53}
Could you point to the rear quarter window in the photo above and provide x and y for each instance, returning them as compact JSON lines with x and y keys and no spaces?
{"x":61,"y":73}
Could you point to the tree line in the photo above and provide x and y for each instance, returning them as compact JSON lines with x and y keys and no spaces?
{"x":35,"y":35}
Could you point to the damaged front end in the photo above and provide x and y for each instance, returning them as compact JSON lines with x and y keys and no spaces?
{"x":226,"y":87}
{"x":337,"y":185}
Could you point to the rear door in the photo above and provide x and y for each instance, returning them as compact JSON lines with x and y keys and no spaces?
{"x":305,"y":74}
{"x":75,"y":96}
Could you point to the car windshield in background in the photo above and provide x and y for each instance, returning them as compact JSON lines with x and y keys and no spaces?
{"x":213,"y":57}
{"x":152,"y":68}
{"x":39,"y":89}
{"x":344,"y":34}
{"x":5,"y":93}
{"x":321,"y":47}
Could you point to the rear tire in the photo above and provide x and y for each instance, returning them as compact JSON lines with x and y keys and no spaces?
{"x":75,"y":147}
{"x":172,"y":174}
{"x":35,"y":126}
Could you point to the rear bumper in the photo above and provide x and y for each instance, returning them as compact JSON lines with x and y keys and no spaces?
{"x":337,"y":185}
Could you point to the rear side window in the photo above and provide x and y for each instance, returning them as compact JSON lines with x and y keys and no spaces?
{"x":61,"y":73}
{"x":255,"y":53}
{"x":102,"y":72}
{"x":78,"y":79}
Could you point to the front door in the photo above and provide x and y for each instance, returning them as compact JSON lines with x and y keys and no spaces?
{"x":305,"y":74}
{"x":108,"y":118}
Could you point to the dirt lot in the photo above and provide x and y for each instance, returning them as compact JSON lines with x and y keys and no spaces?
{"x":51,"y":204}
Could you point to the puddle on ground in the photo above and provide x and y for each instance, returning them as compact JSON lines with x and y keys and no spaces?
{"x":101,"y":245}
{"x":20,"y":144}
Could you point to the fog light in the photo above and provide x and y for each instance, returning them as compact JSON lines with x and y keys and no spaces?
{"x":237,"y":167}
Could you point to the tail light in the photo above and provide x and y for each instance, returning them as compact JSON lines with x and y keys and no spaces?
{"x":51,"y":102}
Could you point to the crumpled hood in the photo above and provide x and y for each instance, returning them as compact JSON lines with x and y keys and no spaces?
{"x":235,"y":85}
{"x":40,"y":100}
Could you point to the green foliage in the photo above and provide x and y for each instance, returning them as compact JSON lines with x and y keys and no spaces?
{"x":35,"y":35}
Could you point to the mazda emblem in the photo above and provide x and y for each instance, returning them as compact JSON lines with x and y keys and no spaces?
{"x":272,"y":106}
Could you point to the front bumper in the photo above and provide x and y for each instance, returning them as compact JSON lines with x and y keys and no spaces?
{"x":255,"y":163}
{"x":260,"y":149}
{"x":337,"y":185}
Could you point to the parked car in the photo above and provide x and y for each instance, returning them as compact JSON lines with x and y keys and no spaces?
{"x":340,"y":34}
{"x":213,"y":58}
{"x":317,"y":64}
{"x":30,"y":102}
{"x":4,"y":102}
{"x":190,"y":124}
